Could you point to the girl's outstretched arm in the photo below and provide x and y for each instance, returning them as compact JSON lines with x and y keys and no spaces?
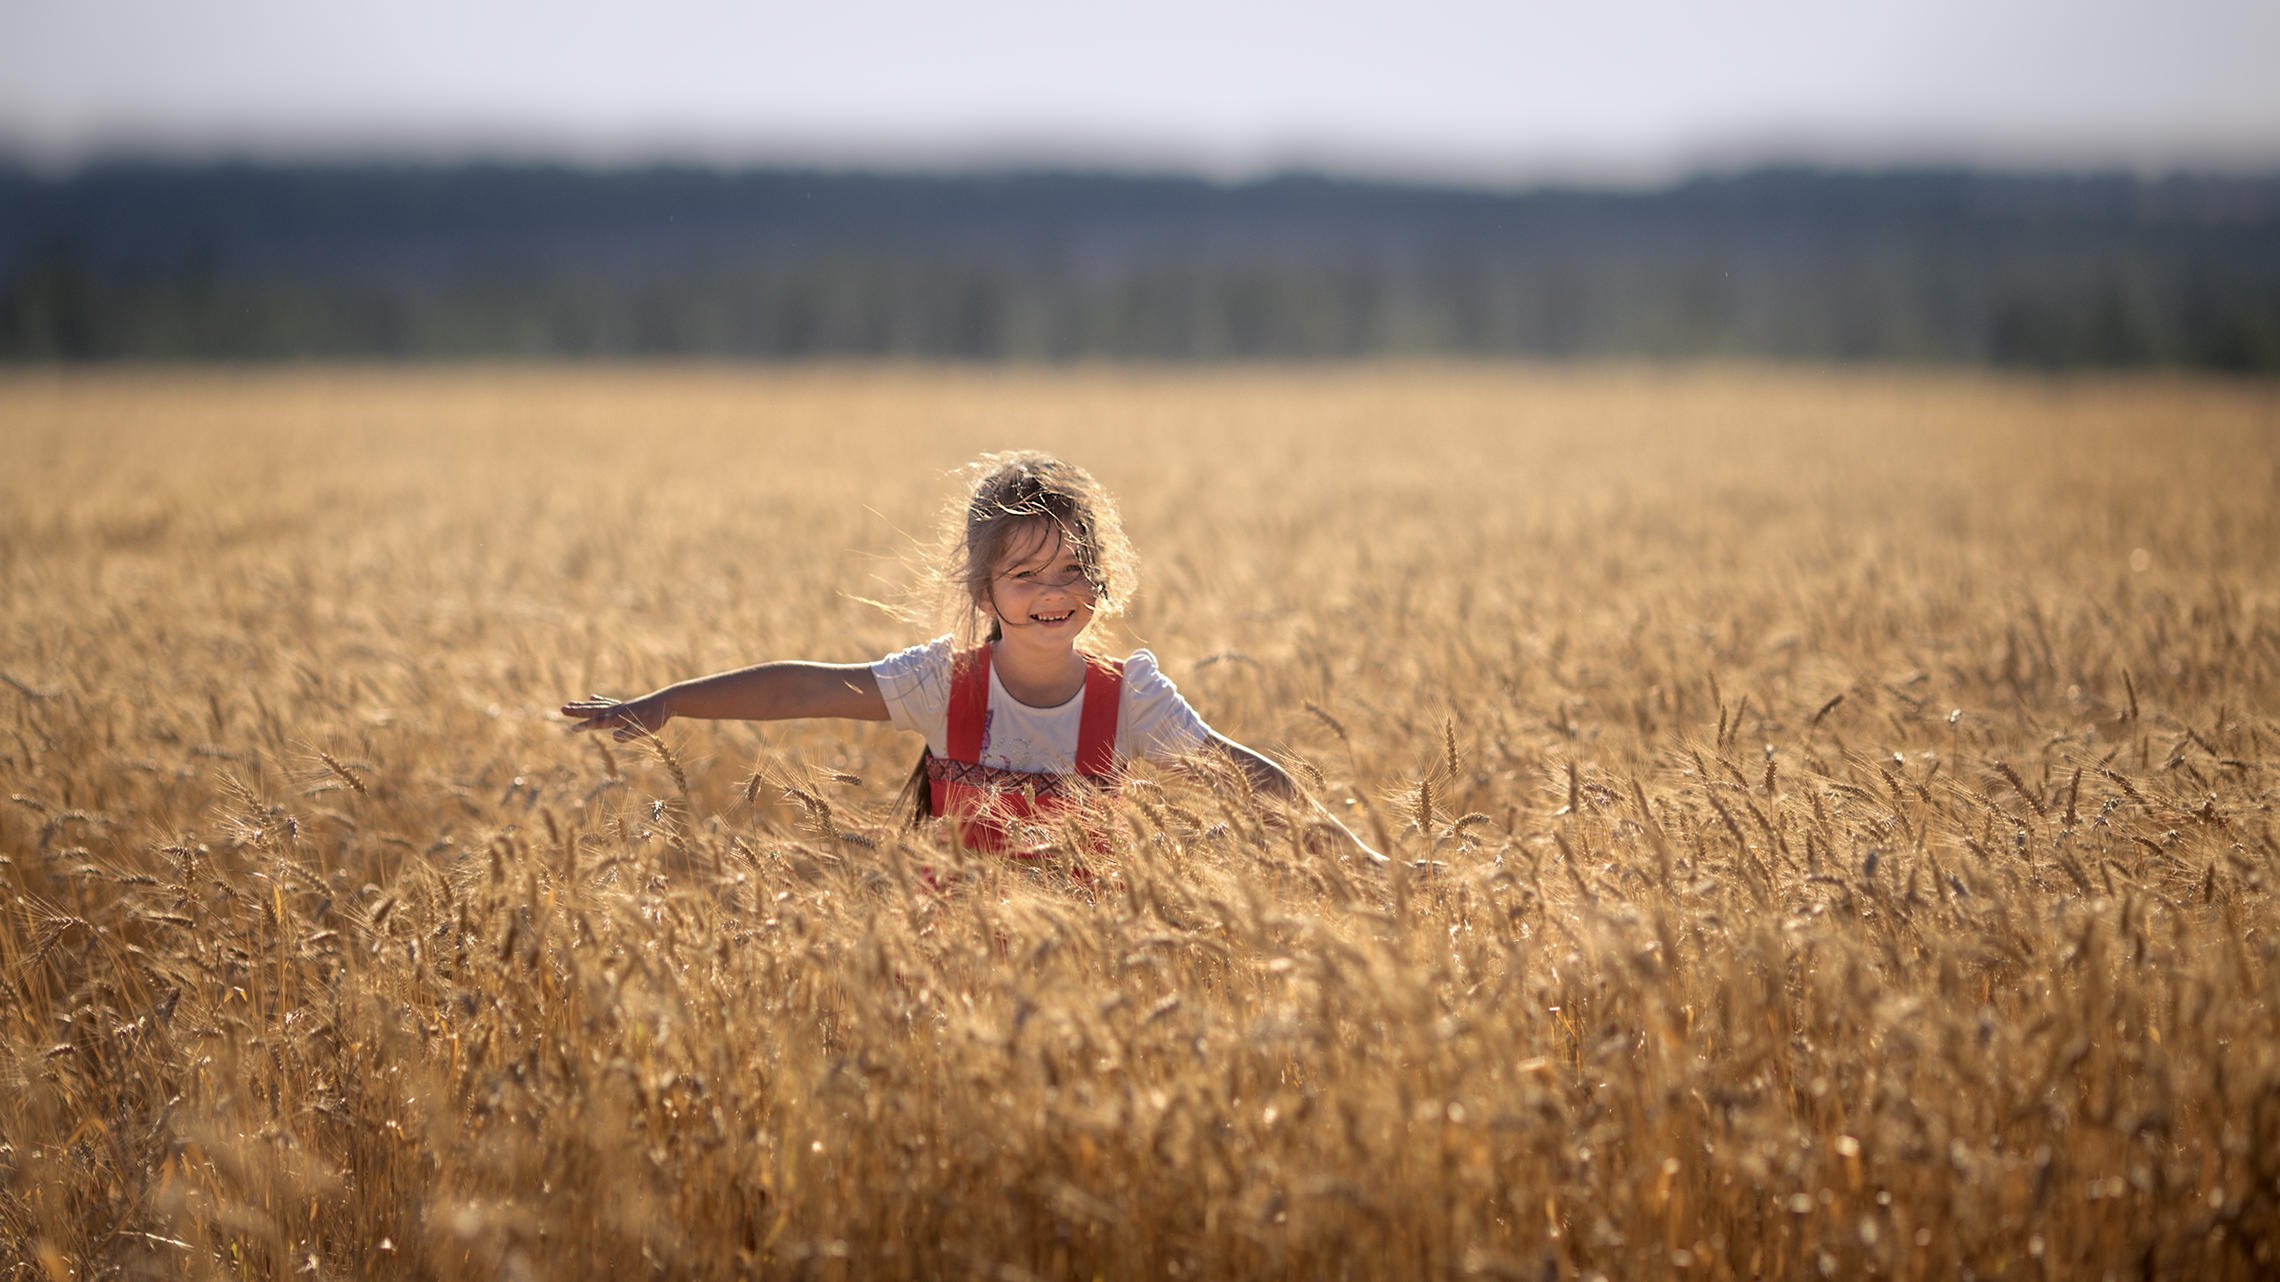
{"x":763,"y":692}
{"x":1268,"y":777}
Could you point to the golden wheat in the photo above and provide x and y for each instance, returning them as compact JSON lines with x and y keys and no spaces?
{"x":1832,"y":819}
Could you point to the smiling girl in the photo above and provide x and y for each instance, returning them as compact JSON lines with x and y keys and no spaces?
{"x":1022,"y":723}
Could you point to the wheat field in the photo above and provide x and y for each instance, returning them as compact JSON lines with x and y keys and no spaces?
{"x":1834,"y":819}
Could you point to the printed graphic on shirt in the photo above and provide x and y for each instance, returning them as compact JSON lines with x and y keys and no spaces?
{"x":1009,"y":743}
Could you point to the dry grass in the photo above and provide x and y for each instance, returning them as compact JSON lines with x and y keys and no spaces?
{"x":1855,"y":795}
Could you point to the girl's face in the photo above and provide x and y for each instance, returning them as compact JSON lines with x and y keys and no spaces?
{"x":1038,"y":593}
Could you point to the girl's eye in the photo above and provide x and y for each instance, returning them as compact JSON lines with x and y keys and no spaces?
{"x":1067,"y":575}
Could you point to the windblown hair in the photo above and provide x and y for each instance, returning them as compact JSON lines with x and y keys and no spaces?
{"x":1014,"y":502}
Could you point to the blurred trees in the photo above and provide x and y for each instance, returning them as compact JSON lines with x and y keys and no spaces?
{"x":255,"y":263}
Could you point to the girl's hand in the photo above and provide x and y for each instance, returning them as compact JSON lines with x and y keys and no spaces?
{"x":624,"y":718}
{"x":1325,"y":836}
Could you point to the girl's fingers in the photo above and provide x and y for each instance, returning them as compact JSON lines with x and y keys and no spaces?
{"x":614,"y":715}
{"x":595,"y":718}
{"x":590,"y":707}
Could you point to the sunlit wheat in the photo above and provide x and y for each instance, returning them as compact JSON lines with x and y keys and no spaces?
{"x":1832,"y":819}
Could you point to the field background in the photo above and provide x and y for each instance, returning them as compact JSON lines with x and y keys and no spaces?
{"x":1850,"y":797}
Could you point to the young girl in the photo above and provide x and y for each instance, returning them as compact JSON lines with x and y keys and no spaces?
{"x":1024,"y":725}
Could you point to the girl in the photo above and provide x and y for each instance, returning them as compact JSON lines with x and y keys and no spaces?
{"x":1024,"y":725}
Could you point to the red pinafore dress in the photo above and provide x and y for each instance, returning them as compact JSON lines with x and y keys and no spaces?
{"x":1014,"y":812}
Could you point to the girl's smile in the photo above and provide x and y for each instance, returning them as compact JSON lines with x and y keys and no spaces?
{"x":1042,"y":597}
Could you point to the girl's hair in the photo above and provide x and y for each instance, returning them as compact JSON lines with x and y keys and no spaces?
{"x":1013,"y":502}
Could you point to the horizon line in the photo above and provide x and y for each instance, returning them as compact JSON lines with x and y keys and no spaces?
{"x":988,"y":163}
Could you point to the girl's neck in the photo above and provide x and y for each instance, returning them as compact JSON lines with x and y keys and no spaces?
{"x":1040,"y":677}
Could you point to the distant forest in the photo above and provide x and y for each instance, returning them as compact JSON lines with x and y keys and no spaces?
{"x":257,"y":263}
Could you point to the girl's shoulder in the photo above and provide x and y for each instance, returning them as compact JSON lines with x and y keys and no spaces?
{"x":1140,"y":668}
{"x":939,"y":650}
{"x":1158,"y":721}
{"x":919,"y":674}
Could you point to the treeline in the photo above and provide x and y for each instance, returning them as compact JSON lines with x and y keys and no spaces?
{"x":260,"y":263}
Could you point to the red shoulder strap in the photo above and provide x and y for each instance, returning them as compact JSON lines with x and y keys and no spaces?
{"x":1096,"y":725}
{"x":969,"y":703}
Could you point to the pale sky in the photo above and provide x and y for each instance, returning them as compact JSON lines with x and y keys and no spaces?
{"x":1617,"y":90}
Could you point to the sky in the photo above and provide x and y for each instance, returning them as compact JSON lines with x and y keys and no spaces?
{"x":1612,"y":91}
